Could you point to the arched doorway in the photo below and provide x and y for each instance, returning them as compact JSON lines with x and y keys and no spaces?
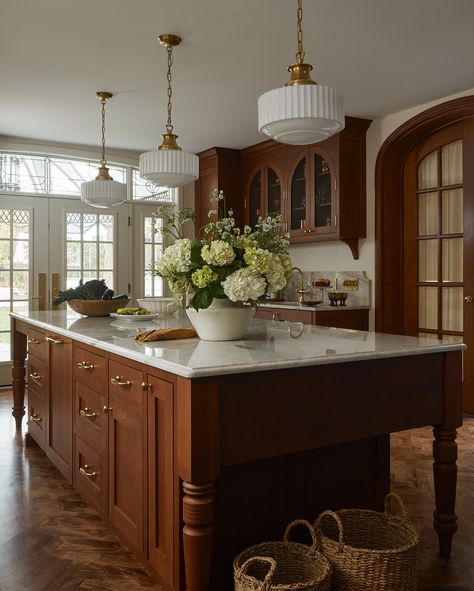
{"x":392,"y":282}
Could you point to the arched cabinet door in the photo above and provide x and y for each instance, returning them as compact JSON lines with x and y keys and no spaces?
{"x":255,"y":198}
{"x":274,"y":197}
{"x":299,"y":219}
{"x":323,"y":194}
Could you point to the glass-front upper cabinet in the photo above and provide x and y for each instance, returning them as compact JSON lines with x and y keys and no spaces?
{"x":312,"y":196}
{"x":264,"y":194}
{"x":323,"y":182}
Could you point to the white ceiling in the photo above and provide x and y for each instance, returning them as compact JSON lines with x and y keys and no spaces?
{"x":384,"y":55}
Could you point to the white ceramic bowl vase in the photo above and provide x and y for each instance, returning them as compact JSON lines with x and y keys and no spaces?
{"x":158,"y":305}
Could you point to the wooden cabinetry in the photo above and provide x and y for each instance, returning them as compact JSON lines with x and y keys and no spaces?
{"x":265,"y":193}
{"x":219,"y":168}
{"x":50,"y":397}
{"x":323,"y":186}
{"x":357,"y":319}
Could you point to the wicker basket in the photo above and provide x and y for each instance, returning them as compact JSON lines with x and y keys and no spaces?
{"x":368,"y":550}
{"x":283,"y":566}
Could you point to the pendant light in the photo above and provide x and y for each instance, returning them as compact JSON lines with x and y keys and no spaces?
{"x":168,"y":165}
{"x":302,"y":112}
{"x":103,"y":191}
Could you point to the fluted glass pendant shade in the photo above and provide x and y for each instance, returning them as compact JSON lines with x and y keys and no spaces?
{"x":169,"y":168}
{"x":168,"y":165}
{"x":302,"y":112}
{"x":103,"y":191}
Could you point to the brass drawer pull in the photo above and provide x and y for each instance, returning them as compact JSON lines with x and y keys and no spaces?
{"x":107,"y":409}
{"x":85,"y":365}
{"x":145,"y":385}
{"x":276,"y":316}
{"x":54,"y":341}
{"x":35,"y":418}
{"x":84,"y":472}
{"x":33,"y":342}
{"x":86,"y":412}
{"x":35,"y":376}
{"x":118,"y":382}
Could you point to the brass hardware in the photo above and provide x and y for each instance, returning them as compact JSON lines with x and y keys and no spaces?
{"x":169,"y":138}
{"x":118,"y":382}
{"x":107,"y":409}
{"x":297,"y":335}
{"x":84,"y":472}
{"x":85,"y":365}
{"x":35,"y":418}
{"x":145,"y":386}
{"x":103,"y":170}
{"x":275,"y":316}
{"x":35,"y":376}
{"x":33,"y":342}
{"x":86,"y":413}
{"x":468,"y":299}
{"x":301,"y":291}
{"x":36,"y":298}
{"x":54,"y":341}
{"x":54,"y":286}
{"x":41,"y":291}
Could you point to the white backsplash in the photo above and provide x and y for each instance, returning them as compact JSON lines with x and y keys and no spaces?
{"x":358,"y":297}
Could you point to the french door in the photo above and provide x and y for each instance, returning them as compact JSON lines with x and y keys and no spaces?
{"x":439,"y":244}
{"x":48,"y":245}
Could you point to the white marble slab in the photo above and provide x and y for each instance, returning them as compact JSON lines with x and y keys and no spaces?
{"x":267,"y":345}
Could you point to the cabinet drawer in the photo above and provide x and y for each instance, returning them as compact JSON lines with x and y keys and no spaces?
{"x":90,"y":474}
{"x":126,"y":385}
{"x":36,"y":343}
{"x":353,"y":319}
{"x":37,"y":376}
{"x":90,"y":420}
{"x":36,"y":417}
{"x":90,"y":368}
{"x":278,"y":314}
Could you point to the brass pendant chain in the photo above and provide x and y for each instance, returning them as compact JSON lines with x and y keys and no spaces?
{"x":102,"y":102}
{"x":299,"y":33}
{"x":169,"y":125}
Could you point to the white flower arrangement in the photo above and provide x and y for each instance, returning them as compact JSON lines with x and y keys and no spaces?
{"x":226,"y":262}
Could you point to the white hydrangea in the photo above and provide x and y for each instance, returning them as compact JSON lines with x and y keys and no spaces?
{"x":218,"y":253}
{"x":275,"y":275}
{"x":176,"y":258}
{"x":258,"y":259}
{"x":244,"y":285}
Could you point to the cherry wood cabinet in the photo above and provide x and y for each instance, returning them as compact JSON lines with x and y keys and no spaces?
{"x":320,"y":190}
{"x":356,"y":319}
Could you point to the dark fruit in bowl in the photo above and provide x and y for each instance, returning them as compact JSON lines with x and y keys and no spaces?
{"x":108,"y":294}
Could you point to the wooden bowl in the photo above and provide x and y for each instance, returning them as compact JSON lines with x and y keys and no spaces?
{"x":97,"y":307}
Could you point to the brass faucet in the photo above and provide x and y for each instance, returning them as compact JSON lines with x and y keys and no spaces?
{"x":301,"y":291}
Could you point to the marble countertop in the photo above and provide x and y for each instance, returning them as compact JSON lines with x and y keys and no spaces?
{"x":267,"y":345}
{"x":297,"y":306}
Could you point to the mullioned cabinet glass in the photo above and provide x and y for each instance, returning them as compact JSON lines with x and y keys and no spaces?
{"x":264,"y":194}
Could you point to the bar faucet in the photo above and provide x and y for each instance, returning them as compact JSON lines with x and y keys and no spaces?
{"x":301,"y":291}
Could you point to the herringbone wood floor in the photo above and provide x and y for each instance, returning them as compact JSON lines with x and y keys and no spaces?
{"x":50,"y":540}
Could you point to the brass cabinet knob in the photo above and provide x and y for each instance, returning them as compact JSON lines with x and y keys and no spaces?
{"x":35,"y":375}
{"x":85,"y":365}
{"x":275,"y":316}
{"x":35,"y":418}
{"x":468,"y":299}
{"x":145,"y":385}
{"x":54,"y":341}
{"x":84,"y":470}
{"x":107,"y":409}
{"x":86,"y":412}
{"x":117,"y":381}
{"x":33,"y":342}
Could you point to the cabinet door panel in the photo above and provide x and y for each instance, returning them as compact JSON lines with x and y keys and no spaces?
{"x":160,"y":477}
{"x":299,"y":211}
{"x":90,"y":368}
{"x":127,"y":429}
{"x":92,"y":429}
{"x":36,"y":417}
{"x":37,"y":376}
{"x":59,"y":432}
{"x":36,"y":343}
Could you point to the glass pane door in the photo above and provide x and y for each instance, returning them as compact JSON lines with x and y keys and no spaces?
{"x":273,"y":192}
{"x":255,"y":199}
{"x":440,"y":243}
{"x":298,"y":197}
{"x":323,"y":214}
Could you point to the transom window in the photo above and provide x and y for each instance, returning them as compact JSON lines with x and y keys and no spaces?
{"x":153,"y":249}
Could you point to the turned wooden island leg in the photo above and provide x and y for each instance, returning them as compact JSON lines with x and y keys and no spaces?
{"x":197,"y":535}
{"x":18,"y":375}
{"x":445,"y":453}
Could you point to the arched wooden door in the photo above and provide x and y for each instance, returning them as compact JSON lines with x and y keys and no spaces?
{"x":425,"y":225}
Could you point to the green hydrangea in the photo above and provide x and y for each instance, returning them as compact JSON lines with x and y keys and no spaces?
{"x":202,"y":277}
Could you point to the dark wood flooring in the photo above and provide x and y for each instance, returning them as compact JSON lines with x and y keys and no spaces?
{"x":51,"y":540}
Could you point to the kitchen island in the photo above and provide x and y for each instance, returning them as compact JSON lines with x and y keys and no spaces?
{"x":194,"y":450}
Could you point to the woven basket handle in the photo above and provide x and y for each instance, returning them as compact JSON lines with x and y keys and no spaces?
{"x":268,"y":577}
{"x":315,"y":545}
{"x":394,"y":506}
{"x":340,"y":528}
